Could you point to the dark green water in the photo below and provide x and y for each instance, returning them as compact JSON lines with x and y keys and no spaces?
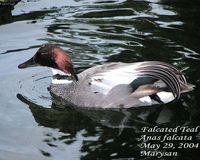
{"x":34,"y":127}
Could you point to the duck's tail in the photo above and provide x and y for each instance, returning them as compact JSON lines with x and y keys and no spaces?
{"x":173,"y":77}
{"x":187,"y":87}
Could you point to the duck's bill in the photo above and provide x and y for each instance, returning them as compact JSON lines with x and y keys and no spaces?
{"x":29,"y":63}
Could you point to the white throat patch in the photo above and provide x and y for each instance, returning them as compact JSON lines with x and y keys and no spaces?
{"x":59,"y":81}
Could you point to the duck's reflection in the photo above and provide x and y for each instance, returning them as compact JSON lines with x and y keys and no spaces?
{"x":104,"y":132}
{"x":71,"y":119}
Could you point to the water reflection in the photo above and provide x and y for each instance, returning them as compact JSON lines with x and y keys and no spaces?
{"x":5,"y":11}
{"x":102,"y":133}
{"x":5,"y":15}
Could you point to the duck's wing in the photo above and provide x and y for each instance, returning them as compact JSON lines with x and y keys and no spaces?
{"x":145,"y":78}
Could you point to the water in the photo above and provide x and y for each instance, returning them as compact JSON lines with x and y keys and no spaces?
{"x":33,"y":126}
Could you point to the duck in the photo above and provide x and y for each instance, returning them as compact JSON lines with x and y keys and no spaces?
{"x":110,"y":85}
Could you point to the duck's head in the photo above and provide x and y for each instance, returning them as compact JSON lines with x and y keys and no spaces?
{"x":52,"y":56}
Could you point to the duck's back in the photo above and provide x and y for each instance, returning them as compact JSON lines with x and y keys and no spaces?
{"x":125,"y":85}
